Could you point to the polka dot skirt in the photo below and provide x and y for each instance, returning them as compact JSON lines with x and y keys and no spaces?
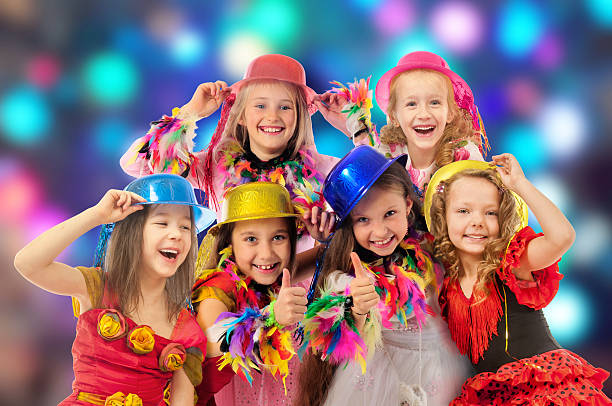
{"x":558,"y":377}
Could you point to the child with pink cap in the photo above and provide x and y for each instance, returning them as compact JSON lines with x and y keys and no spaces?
{"x":264,"y":134}
{"x":431,"y":115}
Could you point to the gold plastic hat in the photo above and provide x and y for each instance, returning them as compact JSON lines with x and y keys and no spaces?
{"x":254,"y":201}
{"x":447,"y":171}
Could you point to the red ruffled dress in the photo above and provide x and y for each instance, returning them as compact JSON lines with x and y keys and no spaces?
{"x":534,"y":370}
{"x":118,"y":362}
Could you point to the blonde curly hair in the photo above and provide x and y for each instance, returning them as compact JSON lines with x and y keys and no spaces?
{"x":459,"y":129}
{"x":509,"y":221}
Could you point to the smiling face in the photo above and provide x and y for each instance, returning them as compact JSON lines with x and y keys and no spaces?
{"x":262,"y":248}
{"x":270,"y":118}
{"x":421,"y":108}
{"x":166,"y":239}
{"x":472,"y":211}
{"x":380,"y":220}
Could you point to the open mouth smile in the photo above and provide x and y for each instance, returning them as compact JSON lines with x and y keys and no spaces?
{"x":267,"y":268}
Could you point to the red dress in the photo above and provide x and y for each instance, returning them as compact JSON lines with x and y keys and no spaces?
{"x":534,"y":370}
{"x":112,"y":354}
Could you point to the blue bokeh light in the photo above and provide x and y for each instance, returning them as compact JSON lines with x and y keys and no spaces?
{"x":25,"y":117}
{"x":520,"y":28}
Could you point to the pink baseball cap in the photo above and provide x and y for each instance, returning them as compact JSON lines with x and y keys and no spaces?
{"x":277,"y":67}
{"x":428,"y":60}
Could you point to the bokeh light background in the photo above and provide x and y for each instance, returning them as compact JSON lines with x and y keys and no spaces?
{"x":80,"y":80}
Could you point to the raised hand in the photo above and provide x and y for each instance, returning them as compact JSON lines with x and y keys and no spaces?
{"x":330,"y":105}
{"x":116,"y":205}
{"x":509,"y":170}
{"x":362,"y":289}
{"x":206,"y":99}
{"x":319,"y":223}
{"x":290,"y":304}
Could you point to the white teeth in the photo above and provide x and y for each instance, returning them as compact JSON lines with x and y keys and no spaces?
{"x":382,"y":242}
{"x":476,"y":236}
{"x":170,"y":251}
{"x":428,"y":128}
{"x":265,"y":267}
{"x":270,"y":129}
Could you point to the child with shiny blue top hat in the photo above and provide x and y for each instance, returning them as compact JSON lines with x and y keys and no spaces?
{"x":375,"y":313}
{"x":136,"y":343}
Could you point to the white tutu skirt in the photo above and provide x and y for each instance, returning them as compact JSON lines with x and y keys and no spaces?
{"x":443,"y":370}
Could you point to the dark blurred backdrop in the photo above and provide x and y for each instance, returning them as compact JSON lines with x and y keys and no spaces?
{"x":80,"y":80}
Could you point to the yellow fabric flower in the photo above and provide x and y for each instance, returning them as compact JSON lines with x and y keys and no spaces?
{"x":119,"y":399}
{"x":172,"y":357}
{"x":111,"y":325}
{"x":141,"y":339}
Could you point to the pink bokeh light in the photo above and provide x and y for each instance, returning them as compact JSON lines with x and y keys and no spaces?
{"x":20,"y":192}
{"x":458,"y":26}
{"x":394,"y":17}
{"x":549,"y":53}
{"x":43,"y":71}
{"x":524,"y":96}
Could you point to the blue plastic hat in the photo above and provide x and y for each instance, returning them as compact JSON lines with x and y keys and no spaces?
{"x":162,"y":188}
{"x":353,"y":176}
{"x":165,"y":188}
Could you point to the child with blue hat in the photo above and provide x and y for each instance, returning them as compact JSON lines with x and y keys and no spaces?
{"x":136,"y":343}
{"x":376,"y":309}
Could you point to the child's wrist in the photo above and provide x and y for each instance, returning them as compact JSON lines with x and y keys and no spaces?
{"x":271,"y":319}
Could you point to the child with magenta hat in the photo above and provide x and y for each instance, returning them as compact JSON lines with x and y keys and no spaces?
{"x":500,"y":275}
{"x":431,"y":115}
{"x":136,"y":344}
{"x":373,"y":333}
{"x":244,"y":299}
{"x":264,"y":134}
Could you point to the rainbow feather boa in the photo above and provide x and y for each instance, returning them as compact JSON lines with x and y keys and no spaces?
{"x":168,"y":145}
{"x":359,"y":101}
{"x":405,"y":294}
{"x":329,"y":329}
{"x":255,"y":340}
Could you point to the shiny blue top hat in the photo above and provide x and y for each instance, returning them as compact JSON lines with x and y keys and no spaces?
{"x":165,"y":188}
{"x":353,"y":176}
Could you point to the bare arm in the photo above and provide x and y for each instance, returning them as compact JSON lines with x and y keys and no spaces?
{"x":558,"y":235}
{"x":181,"y":392}
{"x":208,"y":312}
{"x":36,"y":261}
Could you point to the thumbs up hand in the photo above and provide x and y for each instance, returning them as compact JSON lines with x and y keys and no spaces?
{"x":362,"y":289}
{"x":290,"y":305}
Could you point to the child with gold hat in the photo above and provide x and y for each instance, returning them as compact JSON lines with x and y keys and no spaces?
{"x":243,"y":295}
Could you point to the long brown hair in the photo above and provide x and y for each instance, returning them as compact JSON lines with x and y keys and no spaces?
{"x":236,"y":132}
{"x":444,"y":249}
{"x":459,"y":128}
{"x":122,"y":265}
{"x":316,"y":375}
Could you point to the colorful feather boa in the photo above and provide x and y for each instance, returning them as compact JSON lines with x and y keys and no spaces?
{"x":329,"y":329}
{"x":359,"y":103}
{"x":255,"y":340}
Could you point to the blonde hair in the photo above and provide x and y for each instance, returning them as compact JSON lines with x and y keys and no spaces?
{"x":509,"y":221}
{"x":459,"y":128}
{"x":123,"y":260}
{"x":236,"y":132}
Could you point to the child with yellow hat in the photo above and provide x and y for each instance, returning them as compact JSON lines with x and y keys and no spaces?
{"x":244,"y":299}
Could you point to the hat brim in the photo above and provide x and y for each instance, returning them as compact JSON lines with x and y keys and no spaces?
{"x":401,"y":159}
{"x":309,"y":93}
{"x":215,"y":229}
{"x":203,"y":216}
{"x":448,"y":171}
{"x":383,"y":86}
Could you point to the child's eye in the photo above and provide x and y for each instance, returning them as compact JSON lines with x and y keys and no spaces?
{"x":463,"y":211}
{"x":279,"y":237}
{"x":161,"y":223}
{"x":259,"y":106}
{"x":362,"y":219}
{"x":491,"y":213}
{"x":285,"y":107}
{"x":410,"y":104}
{"x":390,"y":213}
{"x":435,"y":102}
{"x":186,"y":228}
{"x":251,"y":239}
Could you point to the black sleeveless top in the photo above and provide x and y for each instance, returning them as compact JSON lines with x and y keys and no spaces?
{"x":528,"y":330}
